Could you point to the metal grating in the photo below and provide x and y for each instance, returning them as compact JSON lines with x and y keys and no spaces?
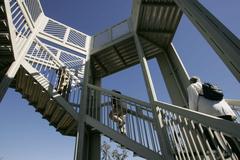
{"x":158,"y":20}
{"x":34,"y":8}
{"x":77,"y":38}
{"x":55,"y":29}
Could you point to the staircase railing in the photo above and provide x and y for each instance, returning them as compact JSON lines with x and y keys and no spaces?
{"x":46,"y":63}
{"x":21,"y":26}
{"x":195,"y":135}
{"x":136,"y":116}
{"x":192,"y":135}
{"x":112,"y":33}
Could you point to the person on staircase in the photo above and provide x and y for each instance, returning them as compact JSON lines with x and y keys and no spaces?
{"x":118,"y":112}
{"x":63,"y":82}
{"x":215,"y":107}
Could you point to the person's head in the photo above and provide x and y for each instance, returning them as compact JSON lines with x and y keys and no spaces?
{"x":194,"y":79}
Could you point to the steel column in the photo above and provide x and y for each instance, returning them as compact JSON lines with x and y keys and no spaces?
{"x":81,"y":129}
{"x":222,"y":40}
{"x":158,"y":121}
{"x":94,"y":151}
{"x":175,"y":76}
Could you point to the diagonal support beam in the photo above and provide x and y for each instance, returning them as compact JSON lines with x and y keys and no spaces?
{"x":158,"y":121}
{"x":222,"y":40}
{"x":175,"y":76}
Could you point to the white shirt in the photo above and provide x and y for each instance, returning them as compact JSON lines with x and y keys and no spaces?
{"x":204,"y":105}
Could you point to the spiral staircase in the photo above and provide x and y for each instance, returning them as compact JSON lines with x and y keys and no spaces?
{"x":47,"y":47}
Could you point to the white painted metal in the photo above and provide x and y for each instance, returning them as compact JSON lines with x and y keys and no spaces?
{"x":48,"y":87}
{"x":111,"y":34}
{"x":154,"y":130}
{"x":188,"y":129}
{"x":65,"y":36}
{"x":158,"y":121}
{"x":138,"y":117}
{"x":222,"y":40}
{"x":175,"y":76}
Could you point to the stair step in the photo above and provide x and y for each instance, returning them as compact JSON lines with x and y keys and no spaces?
{"x":49,"y":109}
{"x":43,"y":99}
{"x":20,"y":79}
{"x":57,"y":114}
{"x":28,"y":85}
{"x":23,"y":82}
{"x":65,"y":121}
{"x":36,"y":93}
{"x":32,"y":91}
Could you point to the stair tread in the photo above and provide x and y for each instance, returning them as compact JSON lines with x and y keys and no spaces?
{"x":42,"y":101}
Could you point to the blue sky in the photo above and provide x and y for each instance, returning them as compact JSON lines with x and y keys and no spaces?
{"x":24,"y":135}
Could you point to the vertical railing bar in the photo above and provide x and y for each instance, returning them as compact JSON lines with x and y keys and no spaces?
{"x":186,"y":137}
{"x":200,"y":142}
{"x":134,"y":128}
{"x":96,"y":103}
{"x":33,"y":56}
{"x":92,"y":102}
{"x":89,"y":109}
{"x":41,"y":64}
{"x":216,"y":145}
{"x":138,"y":126}
{"x":103,"y":114}
{"x":37,"y":57}
{"x":191,"y":136}
{"x":108,"y":111}
{"x":75,"y":94}
{"x":151,"y":134}
{"x":22,"y":42}
{"x":175,"y":138}
{"x":181,"y":136}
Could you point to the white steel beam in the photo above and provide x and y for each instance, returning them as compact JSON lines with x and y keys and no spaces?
{"x":80,"y":153}
{"x":158,"y":121}
{"x":135,"y":14}
{"x":222,"y":40}
{"x":94,"y":151}
{"x":175,"y":76}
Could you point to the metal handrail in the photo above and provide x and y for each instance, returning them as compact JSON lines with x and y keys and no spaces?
{"x":129,"y":117}
{"x":47,"y":64}
{"x":193,"y":134}
{"x":205,"y":119}
{"x":109,"y":32}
